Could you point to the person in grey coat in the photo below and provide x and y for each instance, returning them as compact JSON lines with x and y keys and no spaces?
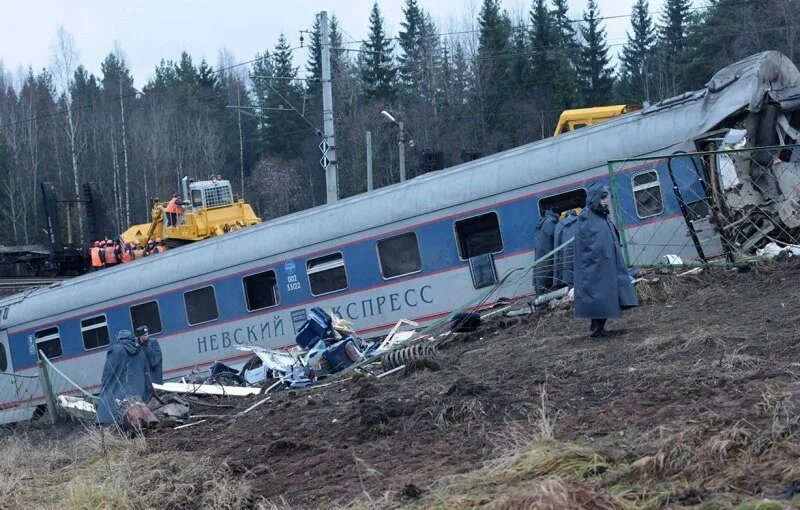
{"x":152,"y":351}
{"x":542,"y":245}
{"x":602,"y":285}
{"x":123,"y":376}
{"x":565,"y":229}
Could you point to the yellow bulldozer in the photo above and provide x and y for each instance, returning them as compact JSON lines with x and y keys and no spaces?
{"x":209,"y":209}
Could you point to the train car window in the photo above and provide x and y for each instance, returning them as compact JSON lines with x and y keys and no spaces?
{"x":326,"y":274}
{"x":5,"y":313}
{"x":261,"y":290}
{"x":147,"y":314}
{"x":647,"y":194}
{"x":478,"y":235}
{"x":95,"y":332}
{"x":399,"y":255}
{"x":3,"y":359}
{"x":572,"y":199}
{"x":201,"y":305}
{"x":48,"y":341}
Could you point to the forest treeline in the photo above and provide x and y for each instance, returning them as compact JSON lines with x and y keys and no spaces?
{"x":495,"y":82}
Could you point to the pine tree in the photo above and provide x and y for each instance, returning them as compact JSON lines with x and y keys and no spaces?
{"x":491,"y":70}
{"x":673,"y":31}
{"x":594,"y":74}
{"x":410,"y":44}
{"x":637,"y":54}
{"x":283,"y":107}
{"x":543,"y":38}
{"x":565,"y":80}
{"x":376,"y":62}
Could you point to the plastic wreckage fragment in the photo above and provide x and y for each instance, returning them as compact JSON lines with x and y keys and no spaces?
{"x":772,"y":250}
{"x":207,"y":389}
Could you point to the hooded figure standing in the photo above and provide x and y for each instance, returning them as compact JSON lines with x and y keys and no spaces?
{"x":542,"y":245}
{"x":123,"y":376}
{"x":602,"y":284}
{"x":152,"y":350}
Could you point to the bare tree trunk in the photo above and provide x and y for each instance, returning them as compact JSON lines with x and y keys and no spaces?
{"x":75,"y":173}
{"x":125,"y":157}
{"x":241,"y":140}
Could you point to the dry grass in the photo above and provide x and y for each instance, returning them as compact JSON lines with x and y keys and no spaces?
{"x":101,"y":469}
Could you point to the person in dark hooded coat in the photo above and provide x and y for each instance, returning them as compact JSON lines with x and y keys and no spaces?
{"x":152,"y":350}
{"x":123,"y":376}
{"x":542,"y":245}
{"x":602,"y":285}
{"x":564,"y":259}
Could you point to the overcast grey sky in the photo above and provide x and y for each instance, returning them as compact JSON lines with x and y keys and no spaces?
{"x":149,"y":30}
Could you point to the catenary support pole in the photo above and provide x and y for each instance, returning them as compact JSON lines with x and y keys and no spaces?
{"x":401,"y":144}
{"x":331,"y":184}
{"x":369,"y":161}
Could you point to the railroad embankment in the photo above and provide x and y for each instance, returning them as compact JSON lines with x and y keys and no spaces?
{"x":695,"y":403}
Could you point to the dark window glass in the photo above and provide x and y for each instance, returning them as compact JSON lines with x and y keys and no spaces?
{"x":146,"y":314}
{"x":197,"y":198}
{"x":479,"y":235}
{"x":647,"y":194}
{"x":326,"y":274}
{"x":261,"y":290}
{"x":48,"y":341}
{"x":399,"y":255}
{"x":201,"y":305}
{"x":563,"y":201}
{"x":95,"y":332}
{"x":3,"y":359}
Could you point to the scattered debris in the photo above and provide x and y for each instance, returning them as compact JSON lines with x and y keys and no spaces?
{"x":77,"y":407}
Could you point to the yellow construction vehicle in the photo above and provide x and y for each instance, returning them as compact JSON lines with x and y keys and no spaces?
{"x":570,"y":120}
{"x":209,"y":209}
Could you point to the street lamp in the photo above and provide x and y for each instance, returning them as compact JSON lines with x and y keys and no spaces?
{"x":401,"y":147}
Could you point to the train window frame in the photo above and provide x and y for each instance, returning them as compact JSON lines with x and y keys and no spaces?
{"x":467,"y":218}
{"x":554,"y":195}
{"x":641,"y":187}
{"x":309,"y":273}
{"x":186,"y":308}
{"x":48,"y":338}
{"x":277,"y":289}
{"x":104,"y":324}
{"x":3,"y":358}
{"x":151,"y":331}
{"x":380,"y":260}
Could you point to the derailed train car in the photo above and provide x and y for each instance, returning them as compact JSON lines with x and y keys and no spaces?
{"x":415,"y":250}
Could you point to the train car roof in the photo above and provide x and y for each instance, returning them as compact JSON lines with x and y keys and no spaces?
{"x":672,"y":122}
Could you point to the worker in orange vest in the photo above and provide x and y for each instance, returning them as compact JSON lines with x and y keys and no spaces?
{"x":159,"y":248}
{"x":150,"y":249}
{"x":109,"y":254}
{"x":97,"y":260}
{"x":138,"y":251}
{"x":125,"y":254}
{"x":173,"y":209}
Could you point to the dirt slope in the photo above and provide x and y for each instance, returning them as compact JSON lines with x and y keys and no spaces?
{"x":697,"y":400}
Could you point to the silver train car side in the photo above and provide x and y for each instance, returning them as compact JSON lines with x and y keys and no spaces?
{"x":402,"y":251}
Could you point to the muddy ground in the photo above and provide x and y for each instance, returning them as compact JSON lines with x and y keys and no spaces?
{"x":695,"y":401}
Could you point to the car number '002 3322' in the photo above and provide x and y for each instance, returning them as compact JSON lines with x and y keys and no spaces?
{"x":293,"y":283}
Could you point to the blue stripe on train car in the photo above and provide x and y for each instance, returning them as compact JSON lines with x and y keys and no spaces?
{"x":438,"y":250}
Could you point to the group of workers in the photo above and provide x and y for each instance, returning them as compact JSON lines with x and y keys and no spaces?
{"x":592,"y":261}
{"x":109,"y":253}
{"x":133,"y":365}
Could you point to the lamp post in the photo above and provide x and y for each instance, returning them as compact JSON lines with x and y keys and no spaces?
{"x":401,"y":143}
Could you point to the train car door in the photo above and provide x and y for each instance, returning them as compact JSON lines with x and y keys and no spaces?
{"x":686,"y":174}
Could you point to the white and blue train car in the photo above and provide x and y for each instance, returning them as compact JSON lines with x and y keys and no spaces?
{"x":398,"y":252}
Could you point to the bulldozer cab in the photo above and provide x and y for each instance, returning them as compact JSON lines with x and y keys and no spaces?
{"x":210,"y":194}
